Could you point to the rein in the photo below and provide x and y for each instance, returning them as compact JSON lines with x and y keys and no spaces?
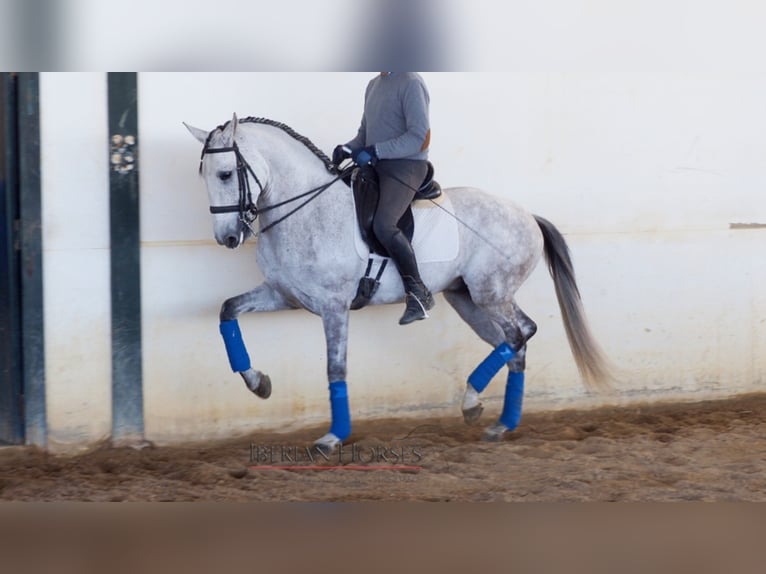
{"x":247,"y":210}
{"x":456,"y":218}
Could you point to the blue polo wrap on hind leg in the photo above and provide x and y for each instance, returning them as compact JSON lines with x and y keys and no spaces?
{"x":514,"y":397}
{"x":235,"y":346}
{"x":483,"y":374}
{"x":341,"y":415}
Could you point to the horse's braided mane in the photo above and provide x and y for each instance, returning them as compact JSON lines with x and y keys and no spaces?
{"x":289,"y":131}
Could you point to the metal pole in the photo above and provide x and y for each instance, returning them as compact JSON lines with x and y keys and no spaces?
{"x":127,"y":377}
{"x":31,"y":245}
{"x":11,"y":390}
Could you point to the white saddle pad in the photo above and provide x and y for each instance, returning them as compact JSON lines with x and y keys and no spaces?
{"x":436,"y":233}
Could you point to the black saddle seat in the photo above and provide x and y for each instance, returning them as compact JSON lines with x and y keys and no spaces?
{"x":430,"y":189}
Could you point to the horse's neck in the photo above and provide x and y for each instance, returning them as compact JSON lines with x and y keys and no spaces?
{"x":292,"y":167}
{"x":293,"y":171}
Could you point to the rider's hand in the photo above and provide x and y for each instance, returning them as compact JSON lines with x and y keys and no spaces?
{"x":340,"y":154}
{"x":366,"y":155}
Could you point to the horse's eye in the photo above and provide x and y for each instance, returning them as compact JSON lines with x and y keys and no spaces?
{"x":224,"y":175}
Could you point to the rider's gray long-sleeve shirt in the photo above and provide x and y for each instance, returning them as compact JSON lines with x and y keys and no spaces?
{"x":395,"y":119}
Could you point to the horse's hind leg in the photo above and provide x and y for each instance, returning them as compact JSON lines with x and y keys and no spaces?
{"x":519,"y":328}
{"x":487,"y":329}
{"x":262,"y":298}
{"x":507,"y":329}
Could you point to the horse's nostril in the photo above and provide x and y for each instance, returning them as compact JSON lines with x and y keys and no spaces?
{"x":232,"y":242}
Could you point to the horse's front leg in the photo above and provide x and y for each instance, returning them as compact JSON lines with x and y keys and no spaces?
{"x":262,"y":298}
{"x":335,"y":320}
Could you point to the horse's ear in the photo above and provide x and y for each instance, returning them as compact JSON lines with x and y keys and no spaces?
{"x":231,"y":131}
{"x":199,"y":135}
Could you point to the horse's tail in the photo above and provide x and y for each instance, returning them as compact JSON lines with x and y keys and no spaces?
{"x":591,"y":361}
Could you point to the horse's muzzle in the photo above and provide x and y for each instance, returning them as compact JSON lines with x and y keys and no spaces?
{"x":231,"y":240}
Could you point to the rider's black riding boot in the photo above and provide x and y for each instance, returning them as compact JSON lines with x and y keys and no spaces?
{"x":418,"y":297}
{"x":418,"y":300}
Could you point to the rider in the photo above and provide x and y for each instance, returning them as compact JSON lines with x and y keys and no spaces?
{"x":394,"y":138}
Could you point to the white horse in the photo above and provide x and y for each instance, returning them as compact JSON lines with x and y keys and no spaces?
{"x":261,"y":173}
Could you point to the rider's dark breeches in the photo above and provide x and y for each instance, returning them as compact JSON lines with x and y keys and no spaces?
{"x":398,"y":181}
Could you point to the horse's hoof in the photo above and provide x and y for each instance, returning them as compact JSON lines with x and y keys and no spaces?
{"x":264,"y":389}
{"x":258,"y":383}
{"x":495,"y":433}
{"x":472,"y":415}
{"x":327,"y":444}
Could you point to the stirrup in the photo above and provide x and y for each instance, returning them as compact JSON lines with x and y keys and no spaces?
{"x":416,"y":310}
{"x":368,"y":286}
{"x":364,"y":293}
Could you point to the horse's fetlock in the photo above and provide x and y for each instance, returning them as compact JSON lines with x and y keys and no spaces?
{"x":228,"y":311}
{"x":518,"y":364}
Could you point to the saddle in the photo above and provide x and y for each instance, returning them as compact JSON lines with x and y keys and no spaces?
{"x":364,"y":183}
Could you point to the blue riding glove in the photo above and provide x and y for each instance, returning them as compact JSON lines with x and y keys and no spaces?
{"x":339,"y":154}
{"x":365,"y":156}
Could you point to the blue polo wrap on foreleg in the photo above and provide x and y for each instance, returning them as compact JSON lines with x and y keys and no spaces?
{"x":341,"y":415}
{"x":483,"y":374}
{"x":514,"y":398}
{"x":235,"y":346}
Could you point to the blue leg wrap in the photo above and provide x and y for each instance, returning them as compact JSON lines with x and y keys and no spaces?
{"x":483,"y":374}
{"x":341,"y":415}
{"x":514,"y":397}
{"x":235,"y":346}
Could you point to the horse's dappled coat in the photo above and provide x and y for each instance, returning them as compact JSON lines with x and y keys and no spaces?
{"x":309,"y":260}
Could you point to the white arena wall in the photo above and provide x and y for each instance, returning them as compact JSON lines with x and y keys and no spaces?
{"x":655,"y":178}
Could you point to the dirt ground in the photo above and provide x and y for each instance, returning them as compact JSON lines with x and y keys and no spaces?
{"x":712,"y":451}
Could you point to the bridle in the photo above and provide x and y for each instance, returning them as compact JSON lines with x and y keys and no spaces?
{"x":247,"y":210}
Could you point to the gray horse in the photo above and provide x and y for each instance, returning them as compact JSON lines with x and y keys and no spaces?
{"x":260,"y":173}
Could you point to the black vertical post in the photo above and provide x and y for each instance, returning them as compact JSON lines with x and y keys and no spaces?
{"x":127,"y":377}
{"x":31,"y":259}
{"x":11,"y":389}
